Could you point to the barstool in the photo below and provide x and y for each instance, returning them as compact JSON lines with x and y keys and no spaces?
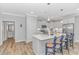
{"x":71,"y":39}
{"x":67,"y":43}
{"x":61,"y":43}
{"x":51,"y":46}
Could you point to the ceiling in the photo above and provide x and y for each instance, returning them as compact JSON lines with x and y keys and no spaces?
{"x":44,"y":10}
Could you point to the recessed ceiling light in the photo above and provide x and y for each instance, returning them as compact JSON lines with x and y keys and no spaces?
{"x":48,"y":19}
{"x":61,"y":21}
{"x":31,"y":12}
{"x":77,"y":9}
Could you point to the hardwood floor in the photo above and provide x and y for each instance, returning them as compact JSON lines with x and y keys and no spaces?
{"x":9,"y":47}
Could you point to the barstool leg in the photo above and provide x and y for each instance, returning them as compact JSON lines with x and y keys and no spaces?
{"x":54,"y":51}
{"x":46,"y":49}
{"x":61,"y":50}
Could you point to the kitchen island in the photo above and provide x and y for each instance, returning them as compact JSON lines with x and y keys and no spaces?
{"x":39,"y":41}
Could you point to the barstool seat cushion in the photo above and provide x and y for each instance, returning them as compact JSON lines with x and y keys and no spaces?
{"x":49,"y":45}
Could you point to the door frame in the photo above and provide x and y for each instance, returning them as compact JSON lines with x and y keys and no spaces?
{"x":3,"y":31}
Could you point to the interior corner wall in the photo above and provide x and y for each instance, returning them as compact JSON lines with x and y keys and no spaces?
{"x":1,"y":32}
{"x":31,"y":23}
{"x":76,"y":31}
{"x":19,"y":31}
{"x":71,"y":20}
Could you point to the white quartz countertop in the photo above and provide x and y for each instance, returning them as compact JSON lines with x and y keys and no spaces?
{"x":43,"y":36}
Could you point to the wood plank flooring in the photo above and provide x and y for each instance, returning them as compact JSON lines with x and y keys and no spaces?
{"x":10,"y":47}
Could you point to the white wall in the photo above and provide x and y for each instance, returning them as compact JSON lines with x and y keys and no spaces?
{"x":31,"y":27}
{"x":19,"y":32}
{"x":69,"y":20}
{"x":76,"y":31}
{"x":74,"y":20}
{"x":0,"y":31}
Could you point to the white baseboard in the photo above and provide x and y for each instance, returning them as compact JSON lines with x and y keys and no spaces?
{"x":0,"y":43}
{"x":28,"y":41}
{"x":20,"y":41}
{"x":76,"y":41}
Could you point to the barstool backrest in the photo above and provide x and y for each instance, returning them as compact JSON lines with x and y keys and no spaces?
{"x":54,"y":42}
{"x":61,"y":39}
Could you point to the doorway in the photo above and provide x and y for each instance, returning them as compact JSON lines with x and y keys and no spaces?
{"x":8,"y":29}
